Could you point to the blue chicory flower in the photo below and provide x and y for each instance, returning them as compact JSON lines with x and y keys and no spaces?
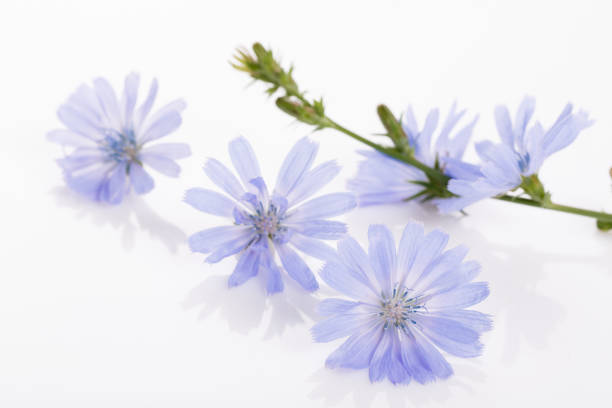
{"x":109,"y":140}
{"x":264,"y":224}
{"x":405,"y":305}
{"x":381,"y":179}
{"x":520,"y":154}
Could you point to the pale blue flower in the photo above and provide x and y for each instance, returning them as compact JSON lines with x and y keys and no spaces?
{"x":108,"y":140}
{"x":381,"y":179}
{"x":264,"y":225}
{"x":520,"y":154}
{"x":405,"y":306}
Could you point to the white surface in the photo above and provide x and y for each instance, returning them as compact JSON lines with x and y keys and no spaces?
{"x":104,"y":306}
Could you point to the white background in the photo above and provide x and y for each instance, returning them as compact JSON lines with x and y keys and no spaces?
{"x":106,"y":307}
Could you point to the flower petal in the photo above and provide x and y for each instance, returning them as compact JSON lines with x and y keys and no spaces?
{"x":210,"y":202}
{"x":429,"y":248}
{"x":68,"y":138}
{"x":223,"y":178}
{"x":382,"y":255}
{"x":313,"y":247}
{"x":298,"y":161}
{"x":246,"y":268}
{"x":339,"y":277}
{"x":142,"y":182}
{"x":338,"y":326}
{"x":406,"y":253}
{"x":356,"y":352}
{"x":323,"y":207}
{"x":297,"y":268}
{"x":451,"y":336}
{"x":173,"y":151}
{"x":313,"y":181}
{"x":244,"y":160}
{"x":321,"y":229}
{"x":460,"y":297}
{"x":329,"y":307}
{"x":209,"y":239}
{"x":162,"y":164}
{"x":162,"y":127}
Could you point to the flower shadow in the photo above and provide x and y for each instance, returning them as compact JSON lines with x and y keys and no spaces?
{"x":132,"y":213}
{"x":247,"y":307}
{"x":334,"y":386}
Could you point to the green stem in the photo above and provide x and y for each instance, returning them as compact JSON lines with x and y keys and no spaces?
{"x":387,"y":151}
{"x":602,"y":216}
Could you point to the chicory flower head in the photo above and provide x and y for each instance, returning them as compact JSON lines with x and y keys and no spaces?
{"x":405,"y":305}
{"x":109,"y":140}
{"x":265,"y":224}
{"x":381,"y":179}
{"x":521,"y":153}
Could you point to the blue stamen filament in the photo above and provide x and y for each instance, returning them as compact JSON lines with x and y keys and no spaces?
{"x":120,"y":147}
{"x":267,"y":223}
{"x":398,"y":309}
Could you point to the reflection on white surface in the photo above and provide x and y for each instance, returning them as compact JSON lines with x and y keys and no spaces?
{"x":131,"y":214}
{"x":338,"y":386}
{"x":245,"y":306}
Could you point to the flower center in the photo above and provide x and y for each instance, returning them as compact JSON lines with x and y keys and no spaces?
{"x":398,"y":309}
{"x":120,"y":146}
{"x":267,"y":222}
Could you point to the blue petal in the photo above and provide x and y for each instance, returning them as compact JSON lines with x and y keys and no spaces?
{"x":456,"y":146}
{"x":68,"y":138}
{"x":244,"y":160}
{"x":381,"y":359}
{"x":78,"y":123}
{"x":564,"y":131}
{"x":313,"y":181}
{"x":430,"y":247}
{"x":451,"y":336}
{"x":324,"y":206}
{"x":411,"y":237}
{"x":130,"y":95}
{"x":162,"y":127}
{"x":145,"y":107}
{"x":297,"y":162}
{"x":339,"y":277}
{"x":232,"y":247}
{"x":321,"y":229}
{"x":108,"y":101}
{"x":162,"y":164}
{"x":209,"y":239}
{"x":91,"y":181}
{"x":447,"y":263}
{"x":328,"y":307}
{"x":523,"y":115}
{"x":274,"y":281}
{"x":477,"y":321}
{"x":246,"y":268}
{"x":423,"y":360}
{"x":210,"y":202}
{"x":504,"y":125}
{"x":115,"y":187}
{"x":457,"y":276}
{"x":356,"y":352}
{"x":313,"y":247}
{"x":460,"y":297}
{"x":297,"y":268}
{"x":173,"y":151}
{"x":223,"y":178}
{"x":356,"y":262}
{"x":142,"y":182}
{"x":382,"y":255}
{"x":338,"y":326}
